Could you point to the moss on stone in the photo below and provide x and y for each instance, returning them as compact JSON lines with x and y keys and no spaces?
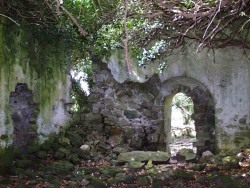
{"x":1,"y":43}
{"x":6,"y":157}
{"x":39,"y":61}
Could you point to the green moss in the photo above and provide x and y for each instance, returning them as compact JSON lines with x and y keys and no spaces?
{"x":38,"y":60}
{"x":6,"y":157}
{"x":1,"y":43}
{"x":243,"y":134}
{"x":231,"y":126}
{"x":109,"y":170}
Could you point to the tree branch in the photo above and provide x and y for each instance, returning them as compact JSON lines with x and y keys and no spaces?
{"x":126,"y":38}
{"x":10,"y":19}
{"x":81,"y":30}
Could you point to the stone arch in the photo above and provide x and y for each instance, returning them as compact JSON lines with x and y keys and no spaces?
{"x":204,"y":110}
{"x":24,"y":115}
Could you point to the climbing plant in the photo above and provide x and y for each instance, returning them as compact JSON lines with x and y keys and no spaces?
{"x":145,"y":29}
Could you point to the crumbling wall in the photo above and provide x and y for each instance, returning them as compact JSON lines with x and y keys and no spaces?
{"x":126,"y":110}
{"x":34,"y":85}
{"x":24,"y":115}
{"x":224,"y":118}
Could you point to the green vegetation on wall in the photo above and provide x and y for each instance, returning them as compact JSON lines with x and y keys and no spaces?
{"x":6,"y":156}
{"x":34,"y":57}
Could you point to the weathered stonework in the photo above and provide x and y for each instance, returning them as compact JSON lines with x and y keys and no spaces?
{"x":34,"y":85}
{"x":126,"y":109}
{"x":139,"y":103}
{"x":24,"y":115}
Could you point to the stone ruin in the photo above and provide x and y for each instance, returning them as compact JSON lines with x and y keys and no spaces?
{"x":135,"y":111}
{"x":132,"y":109}
{"x":136,"y":106}
{"x":24,"y":115}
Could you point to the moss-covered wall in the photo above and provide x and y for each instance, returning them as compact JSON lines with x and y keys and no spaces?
{"x":39,"y":60}
{"x":223,"y":72}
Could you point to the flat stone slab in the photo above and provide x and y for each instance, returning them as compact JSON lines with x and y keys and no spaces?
{"x":139,"y":156}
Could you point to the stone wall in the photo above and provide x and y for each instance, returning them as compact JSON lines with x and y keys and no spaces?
{"x":34,"y":85}
{"x":126,"y":109}
{"x":136,"y":105}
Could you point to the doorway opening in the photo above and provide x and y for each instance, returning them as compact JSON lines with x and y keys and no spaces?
{"x":202,"y":116}
{"x":183,"y":133}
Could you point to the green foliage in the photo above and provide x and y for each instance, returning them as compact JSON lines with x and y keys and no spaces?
{"x":181,"y":100}
{"x":85,"y":12}
{"x":83,"y":68}
{"x":189,"y":3}
{"x":212,"y":2}
{"x":185,"y":104}
{"x":109,"y":37}
{"x":153,"y":29}
{"x":152,"y":53}
{"x":6,"y":157}
{"x":79,"y":95}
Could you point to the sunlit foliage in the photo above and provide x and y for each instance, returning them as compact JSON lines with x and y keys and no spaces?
{"x":145,"y":28}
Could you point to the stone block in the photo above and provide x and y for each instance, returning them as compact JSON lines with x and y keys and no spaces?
{"x":147,"y":113}
{"x":143,"y":156}
{"x":136,"y":143}
{"x":85,"y":148}
{"x":95,"y":126}
{"x":97,"y":90}
{"x":108,"y":101}
{"x":115,"y":140}
{"x":98,"y":105}
{"x":93,"y":97}
{"x":109,"y":92}
{"x":121,"y":149}
{"x":114,"y":130}
{"x":122,"y":106}
{"x":101,"y":77}
{"x":132,"y":114}
{"x":206,"y":156}
{"x":133,"y":104}
{"x":128,"y":131}
{"x":90,"y":117}
{"x":105,"y":112}
{"x":110,"y":106}
{"x":123,"y":122}
{"x":111,"y":120}
{"x":185,"y":154}
{"x":121,"y":93}
{"x":117,"y":113}
{"x":96,"y":110}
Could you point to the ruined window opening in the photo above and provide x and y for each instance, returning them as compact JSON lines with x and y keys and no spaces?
{"x":24,"y":115}
{"x":183,"y":132}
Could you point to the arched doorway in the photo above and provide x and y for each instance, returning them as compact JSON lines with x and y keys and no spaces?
{"x":183,"y":132}
{"x":203,"y":111}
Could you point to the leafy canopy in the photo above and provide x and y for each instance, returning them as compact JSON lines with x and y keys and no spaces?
{"x":144,"y":29}
{"x":147,"y":28}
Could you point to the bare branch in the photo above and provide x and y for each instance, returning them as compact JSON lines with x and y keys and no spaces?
{"x":212,"y":19}
{"x":126,"y":38}
{"x":10,"y":19}
{"x":81,"y":30}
